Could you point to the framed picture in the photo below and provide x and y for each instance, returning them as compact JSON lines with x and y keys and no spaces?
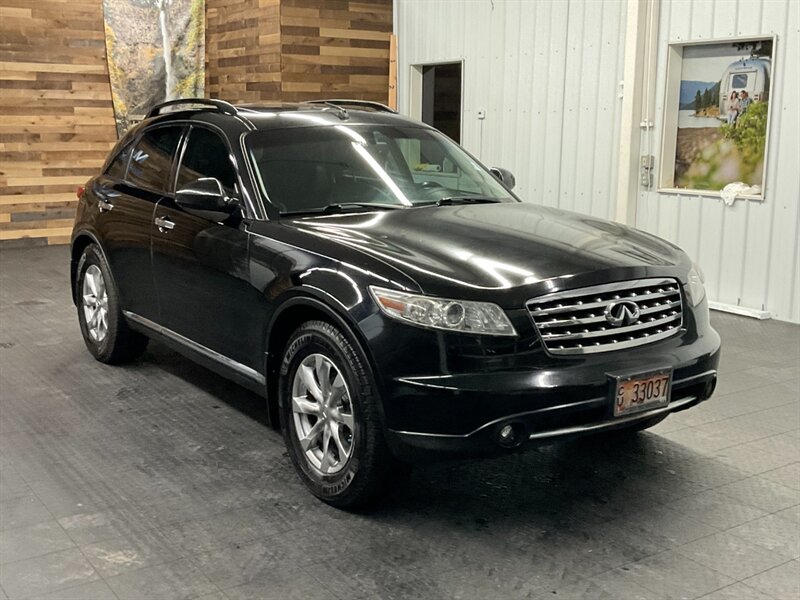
{"x":716,"y":121}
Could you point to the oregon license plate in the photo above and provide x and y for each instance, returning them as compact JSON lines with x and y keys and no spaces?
{"x":640,"y":392}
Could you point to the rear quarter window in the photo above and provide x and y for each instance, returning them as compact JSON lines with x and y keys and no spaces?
{"x":119,"y":165}
{"x":150,"y":166}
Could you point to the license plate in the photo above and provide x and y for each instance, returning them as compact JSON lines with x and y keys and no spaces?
{"x":642,"y":392}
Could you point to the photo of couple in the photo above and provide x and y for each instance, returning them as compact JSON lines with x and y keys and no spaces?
{"x":722,"y":117}
{"x":737,"y":104}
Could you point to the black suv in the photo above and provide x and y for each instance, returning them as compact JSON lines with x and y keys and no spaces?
{"x":388,"y":294}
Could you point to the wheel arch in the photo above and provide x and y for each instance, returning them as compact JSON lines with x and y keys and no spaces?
{"x":301,"y":307}
{"x":80,"y":241}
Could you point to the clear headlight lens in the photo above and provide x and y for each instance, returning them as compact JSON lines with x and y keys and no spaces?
{"x":482,"y":318}
{"x":694,"y":288}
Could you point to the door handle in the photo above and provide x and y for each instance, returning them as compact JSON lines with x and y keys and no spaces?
{"x":164,"y":224}
{"x":104,"y":203}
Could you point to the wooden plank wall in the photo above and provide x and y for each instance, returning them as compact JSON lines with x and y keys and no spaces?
{"x":243,"y":50}
{"x":56,"y":117}
{"x":335,"y":48}
{"x":295,"y":50}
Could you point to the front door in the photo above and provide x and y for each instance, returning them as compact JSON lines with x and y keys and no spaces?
{"x":201,"y":267}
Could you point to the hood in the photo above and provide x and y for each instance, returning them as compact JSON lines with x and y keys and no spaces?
{"x":491,"y":247}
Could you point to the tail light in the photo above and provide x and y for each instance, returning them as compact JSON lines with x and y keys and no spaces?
{"x":79,"y":191}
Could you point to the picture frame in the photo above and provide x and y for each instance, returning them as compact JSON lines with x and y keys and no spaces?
{"x":704,"y":145}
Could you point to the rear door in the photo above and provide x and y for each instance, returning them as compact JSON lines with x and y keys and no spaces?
{"x":127,"y":196}
{"x":201,"y":266}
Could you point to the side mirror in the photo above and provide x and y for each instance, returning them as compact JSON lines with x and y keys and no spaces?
{"x":505,"y":177}
{"x":206,"y":198}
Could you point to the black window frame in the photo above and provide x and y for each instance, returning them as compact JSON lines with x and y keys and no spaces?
{"x":184,"y":143}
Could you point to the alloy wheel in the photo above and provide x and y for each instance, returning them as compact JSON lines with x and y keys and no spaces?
{"x":95,"y":303}
{"x":322,"y":413}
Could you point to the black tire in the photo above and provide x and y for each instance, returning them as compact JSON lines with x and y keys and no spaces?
{"x":366,"y":474}
{"x":120,"y":343}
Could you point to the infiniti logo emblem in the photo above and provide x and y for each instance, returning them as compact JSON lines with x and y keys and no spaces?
{"x":621,"y":313}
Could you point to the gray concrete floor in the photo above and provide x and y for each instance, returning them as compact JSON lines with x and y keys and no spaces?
{"x":160,"y":480}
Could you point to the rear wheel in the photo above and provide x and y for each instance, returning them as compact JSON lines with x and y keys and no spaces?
{"x":104,"y":329}
{"x":329,"y":418}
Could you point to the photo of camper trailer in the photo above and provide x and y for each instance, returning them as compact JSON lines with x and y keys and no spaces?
{"x":722,"y":115}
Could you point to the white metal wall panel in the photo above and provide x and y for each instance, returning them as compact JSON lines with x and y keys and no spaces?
{"x":545,"y":73}
{"x":749,"y":251}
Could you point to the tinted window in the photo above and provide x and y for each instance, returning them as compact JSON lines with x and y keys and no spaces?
{"x":119,"y":165}
{"x":152,"y":158}
{"x":739,"y":80}
{"x":307,"y":168}
{"x":206,"y":155}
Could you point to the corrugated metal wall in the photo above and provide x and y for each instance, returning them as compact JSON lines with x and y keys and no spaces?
{"x":547,"y":74}
{"x":749,"y":251}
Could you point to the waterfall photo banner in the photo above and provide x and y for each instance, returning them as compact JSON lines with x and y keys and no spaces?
{"x":155,"y":51}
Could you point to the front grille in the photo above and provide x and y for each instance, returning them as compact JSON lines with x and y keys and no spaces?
{"x":577,"y":321}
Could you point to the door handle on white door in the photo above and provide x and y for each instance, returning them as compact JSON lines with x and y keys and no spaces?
{"x":164,"y":224}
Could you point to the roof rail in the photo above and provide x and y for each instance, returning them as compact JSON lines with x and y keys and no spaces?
{"x":376,"y":106}
{"x":222,"y":106}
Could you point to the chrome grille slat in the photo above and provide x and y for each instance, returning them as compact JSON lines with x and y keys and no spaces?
{"x":574,"y":322}
{"x":615,"y":331}
{"x":602,"y":303}
{"x":601,"y":318}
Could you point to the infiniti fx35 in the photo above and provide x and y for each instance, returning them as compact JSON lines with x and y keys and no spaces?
{"x":389,"y":296}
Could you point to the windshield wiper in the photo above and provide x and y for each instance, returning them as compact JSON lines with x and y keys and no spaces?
{"x":341,"y":207}
{"x":453,"y":200}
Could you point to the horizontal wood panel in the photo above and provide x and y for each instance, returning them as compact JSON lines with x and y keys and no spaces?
{"x":325,"y":46}
{"x":296,"y":50}
{"x":60,"y":233}
{"x":56,"y":117}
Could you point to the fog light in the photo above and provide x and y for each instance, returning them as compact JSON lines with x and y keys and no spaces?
{"x":511,"y":435}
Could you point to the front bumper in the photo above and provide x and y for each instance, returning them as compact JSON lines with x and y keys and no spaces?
{"x":462,"y":415}
{"x":547,"y":424}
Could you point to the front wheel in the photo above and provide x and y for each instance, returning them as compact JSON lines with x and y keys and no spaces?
{"x":329,"y":417}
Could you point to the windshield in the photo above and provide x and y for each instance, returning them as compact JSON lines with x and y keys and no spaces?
{"x":307,"y":169}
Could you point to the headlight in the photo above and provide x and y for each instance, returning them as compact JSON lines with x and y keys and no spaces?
{"x":694,"y":288}
{"x":482,"y":318}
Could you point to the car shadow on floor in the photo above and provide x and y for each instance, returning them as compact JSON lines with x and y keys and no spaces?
{"x":601,"y":476}
{"x":235,"y":396}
